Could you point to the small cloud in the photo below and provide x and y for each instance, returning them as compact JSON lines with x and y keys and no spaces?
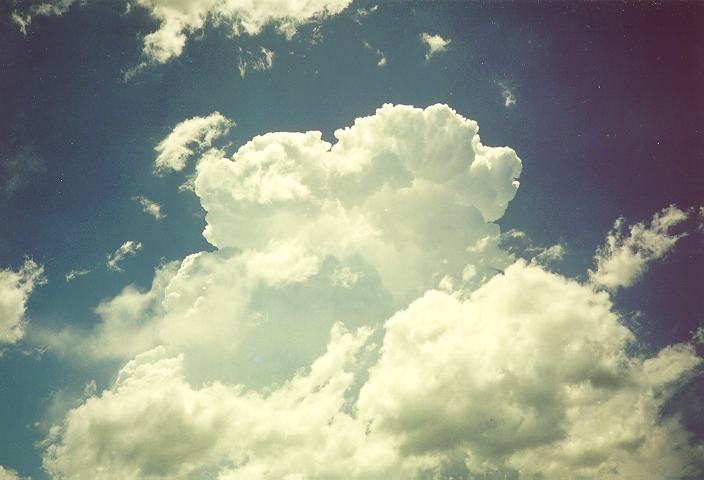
{"x":382,"y":58}
{"x":175,"y":150}
{"x":362,"y":13}
{"x":73,"y":274}
{"x":45,"y":9}
{"x":248,"y":62}
{"x":17,"y":166}
{"x":508,"y":95}
{"x":434,"y":44}
{"x":22,"y":21}
{"x":150,"y":207}
{"x":625,"y":257}
{"x":129,"y":248}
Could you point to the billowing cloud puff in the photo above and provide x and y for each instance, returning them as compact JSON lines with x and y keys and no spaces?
{"x":279,"y":355}
{"x":624,"y":258}
{"x":434,"y":44}
{"x":7,"y":474}
{"x":178,"y":19}
{"x":529,"y":375}
{"x":175,"y":150}
{"x":532,"y":373}
{"x":15,"y":288}
{"x":407,"y":189}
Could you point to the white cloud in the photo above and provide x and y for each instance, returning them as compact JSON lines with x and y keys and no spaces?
{"x":249,"y":62}
{"x":507,"y":94}
{"x":382,"y":57}
{"x":233,"y":376}
{"x":15,"y":288}
{"x":45,"y":8}
{"x":177,"y":20}
{"x":150,"y":207}
{"x":73,"y":274}
{"x":129,"y":248}
{"x":434,"y":44}
{"x":8,"y":474}
{"x":197,"y":132}
{"x":212,"y":428}
{"x":361,"y":13}
{"x":623,"y":259}
{"x":530,"y":373}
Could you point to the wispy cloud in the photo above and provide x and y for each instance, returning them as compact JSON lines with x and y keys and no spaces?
{"x":250,"y":62}
{"x":150,"y":207}
{"x":129,"y":248}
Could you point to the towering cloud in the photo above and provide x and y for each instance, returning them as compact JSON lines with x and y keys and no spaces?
{"x":315,"y":341}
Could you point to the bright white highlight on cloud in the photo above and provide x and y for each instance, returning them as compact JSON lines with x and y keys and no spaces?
{"x":15,"y":288}
{"x":434,"y":44}
{"x":625,"y":257}
{"x":150,"y":207}
{"x":250,"y":62}
{"x":195,"y":133}
{"x":178,"y":19}
{"x":127,"y":249}
{"x":360,"y":320}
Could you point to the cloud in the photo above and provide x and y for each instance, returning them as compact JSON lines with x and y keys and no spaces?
{"x":382,"y":57}
{"x":314,"y":340}
{"x":248,"y":62}
{"x":434,"y":44}
{"x":177,"y":20}
{"x":530,"y":373}
{"x":74,"y":274}
{"x":129,"y":248}
{"x":47,"y":8}
{"x":197,"y":132}
{"x":18,"y":165}
{"x":150,"y":207}
{"x":623,"y":259}
{"x":361,"y":13}
{"x":507,"y":94}
{"x":8,"y":474}
{"x":15,"y":288}
{"x":216,"y":426}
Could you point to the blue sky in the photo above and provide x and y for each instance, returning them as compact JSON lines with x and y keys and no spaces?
{"x":606,"y":117}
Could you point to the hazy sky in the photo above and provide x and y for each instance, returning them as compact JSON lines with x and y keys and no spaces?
{"x":351,"y":240}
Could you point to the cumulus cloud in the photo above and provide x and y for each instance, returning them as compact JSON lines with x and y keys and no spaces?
{"x":150,"y":207}
{"x":195,"y":133}
{"x":15,"y":288}
{"x":249,"y":62}
{"x":624,"y":258}
{"x":7,"y":474}
{"x":129,"y":248}
{"x":434,"y":44}
{"x":345,"y":327}
{"x":177,"y":20}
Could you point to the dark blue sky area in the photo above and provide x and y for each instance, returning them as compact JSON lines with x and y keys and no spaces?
{"x":609,"y":121}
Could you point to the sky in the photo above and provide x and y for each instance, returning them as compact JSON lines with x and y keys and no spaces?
{"x":339,"y":239}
